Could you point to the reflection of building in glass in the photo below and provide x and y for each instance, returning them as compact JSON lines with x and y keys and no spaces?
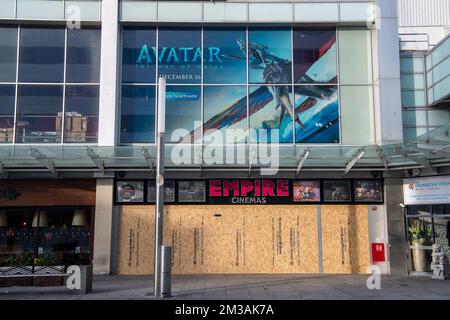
{"x":75,"y":127}
{"x":6,"y":135}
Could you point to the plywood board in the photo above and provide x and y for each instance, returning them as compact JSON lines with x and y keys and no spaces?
{"x":227,"y":239}
{"x":345,"y":239}
{"x":222,"y":239}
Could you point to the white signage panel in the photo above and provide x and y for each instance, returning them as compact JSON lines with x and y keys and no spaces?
{"x":429,"y":190}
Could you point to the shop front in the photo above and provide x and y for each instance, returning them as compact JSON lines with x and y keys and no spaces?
{"x":248,"y":226}
{"x":45,"y":225}
{"x":427,"y":214}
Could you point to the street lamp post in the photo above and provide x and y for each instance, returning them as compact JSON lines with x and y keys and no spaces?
{"x":159,"y":209}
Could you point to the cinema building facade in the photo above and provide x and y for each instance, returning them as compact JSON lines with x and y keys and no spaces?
{"x":284,"y":146}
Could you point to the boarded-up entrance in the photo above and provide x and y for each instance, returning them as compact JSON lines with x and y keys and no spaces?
{"x":248,"y":239}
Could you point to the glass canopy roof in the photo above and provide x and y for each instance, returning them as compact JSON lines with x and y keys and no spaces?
{"x":428,"y":150}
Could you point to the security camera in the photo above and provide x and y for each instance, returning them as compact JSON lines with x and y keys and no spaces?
{"x":121,"y":174}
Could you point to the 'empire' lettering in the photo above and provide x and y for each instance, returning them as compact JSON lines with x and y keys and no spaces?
{"x":248,"y":188}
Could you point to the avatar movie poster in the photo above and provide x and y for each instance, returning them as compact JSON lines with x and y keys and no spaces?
{"x":279,"y":82}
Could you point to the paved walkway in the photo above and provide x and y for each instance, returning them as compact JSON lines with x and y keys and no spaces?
{"x":257,"y":287}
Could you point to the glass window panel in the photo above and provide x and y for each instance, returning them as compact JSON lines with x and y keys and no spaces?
{"x":414,"y":117}
{"x":441,"y":209}
{"x":138,"y":114}
{"x":429,"y":79}
{"x":412,"y":133}
{"x":411,"y":65}
{"x":83,"y":55}
{"x":270,"y":55}
{"x":40,"y":9}
{"x":39,"y":113}
{"x":81,"y":114}
{"x":438,"y":117}
{"x":357,"y":118}
{"x":412,"y":81}
{"x":442,"y":88}
{"x":7,"y":99}
{"x":7,"y":9}
{"x":270,"y":110}
{"x":8,"y":54}
{"x":413,"y":98}
{"x":225,"y":111}
{"x":355,"y":56}
{"x":183,"y":114}
{"x":440,"y":52}
{"x":180,"y":55}
{"x":41,"y":55}
{"x":225,"y":55}
{"x":315,"y":56}
{"x":441,"y":70}
{"x":89,"y":8}
{"x":138,"y":55}
{"x":317,"y":111}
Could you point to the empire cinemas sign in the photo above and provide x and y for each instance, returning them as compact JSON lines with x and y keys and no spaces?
{"x":249,"y":191}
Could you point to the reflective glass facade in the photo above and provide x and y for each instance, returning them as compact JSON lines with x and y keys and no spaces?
{"x":47,"y":75}
{"x":278,"y":85}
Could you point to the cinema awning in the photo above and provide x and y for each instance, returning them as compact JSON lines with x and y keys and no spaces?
{"x":429,"y":150}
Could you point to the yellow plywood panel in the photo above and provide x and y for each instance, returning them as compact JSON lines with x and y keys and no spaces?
{"x":345,"y":239}
{"x":208,"y":239}
{"x":222,"y":239}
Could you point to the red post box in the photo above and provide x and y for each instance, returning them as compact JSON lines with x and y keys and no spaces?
{"x":378,"y":254}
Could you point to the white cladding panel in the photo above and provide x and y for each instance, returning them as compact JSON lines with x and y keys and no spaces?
{"x":423,"y":13}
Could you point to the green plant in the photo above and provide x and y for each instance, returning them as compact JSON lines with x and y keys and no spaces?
{"x":46,"y":260}
{"x":419,"y":230}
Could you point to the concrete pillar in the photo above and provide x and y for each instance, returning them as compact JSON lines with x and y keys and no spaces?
{"x":398,"y":249}
{"x":387,"y":97}
{"x":109,"y":73}
{"x":104,"y":215}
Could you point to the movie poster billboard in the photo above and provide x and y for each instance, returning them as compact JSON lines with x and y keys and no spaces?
{"x":317,"y":109}
{"x":315,"y":56}
{"x":306,"y":191}
{"x":180,"y":55}
{"x":225,"y":109}
{"x":336,"y":191}
{"x":139,"y":55}
{"x":130,"y":191}
{"x":270,"y":55}
{"x":183,"y":114}
{"x":368,"y":191}
{"x":169,"y":191}
{"x":271,"y":122}
{"x":225,"y":59}
{"x":191,"y":191}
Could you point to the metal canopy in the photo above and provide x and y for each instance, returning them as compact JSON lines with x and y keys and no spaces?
{"x":426,"y":151}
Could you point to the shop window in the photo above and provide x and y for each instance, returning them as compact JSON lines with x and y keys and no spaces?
{"x":39,"y":114}
{"x":41,"y":55}
{"x":225,"y":114}
{"x":270,"y":56}
{"x":83,"y":56}
{"x":180,"y":55}
{"x":81,"y":114}
{"x":139,"y":55}
{"x":7,"y":97}
{"x":45,"y":236}
{"x":138,"y":114}
{"x":8,"y":54}
{"x":315,"y":56}
{"x":225,"y":53}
